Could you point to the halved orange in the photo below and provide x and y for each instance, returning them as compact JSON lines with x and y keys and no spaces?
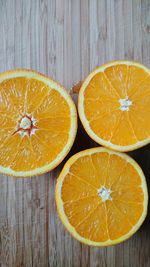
{"x":38,"y":123}
{"x":114,"y":105}
{"x":101,"y":196}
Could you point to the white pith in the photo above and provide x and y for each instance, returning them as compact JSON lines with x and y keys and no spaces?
{"x":25,"y":123}
{"x":104,"y":193}
{"x":125,"y":104}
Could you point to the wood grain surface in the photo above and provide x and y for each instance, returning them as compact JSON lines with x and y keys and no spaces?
{"x":66,"y":39}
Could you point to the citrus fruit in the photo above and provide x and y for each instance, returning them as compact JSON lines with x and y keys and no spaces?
{"x":38,"y":123}
{"x":114,"y":105}
{"x":101,"y":196}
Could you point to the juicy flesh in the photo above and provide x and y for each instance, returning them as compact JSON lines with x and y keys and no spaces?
{"x":117,"y":104}
{"x":96,"y":215}
{"x":35,"y":124}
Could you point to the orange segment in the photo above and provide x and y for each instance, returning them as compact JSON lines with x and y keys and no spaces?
{"x":124,"y":173}
{"x":99,"y":109}
{"x":77,"y":214}
{"x":136,"y":77}
{"x":142,"y":89}
{"x":4,"y":133}
{"x":38,"y":150}
{"x":142,"y":115}
{"x":101,"y":164}
{"x":111,"y":101}
{"x":25,"y":158}
{"x":116,"y":167}
{"x":126,"y":195}
{"x":105,"y":126}
{"x":7,"y":122}
{"x":132,"y":211}
{"x":51,"y":106}
{"x":12,"y":92}
{"x":71,"y":182}
{"x":87,"y":173}
{"x":116,"y":219}
{"x":35,"y":94}
{"x":93,"y":226}
{"x":101,"y":196}
{"x":55,"y":125}
{"x":124,"y":134}
{"x":48,"y":146}
{"x":105,"y":90}
{"x":38,"y":123}
{"x":117,"y":76}
{"x":9,"y":149}
{"x":143,"y":103}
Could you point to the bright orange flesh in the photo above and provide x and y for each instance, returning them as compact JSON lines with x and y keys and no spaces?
{"x":48,"y":108}
{"x":100,"y":110}
{"x":85,"y":213}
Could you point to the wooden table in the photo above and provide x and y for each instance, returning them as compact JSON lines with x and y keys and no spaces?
{"x":66,"y":40}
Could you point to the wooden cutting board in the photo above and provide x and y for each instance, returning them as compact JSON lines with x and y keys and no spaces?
{"x":66,"y":40}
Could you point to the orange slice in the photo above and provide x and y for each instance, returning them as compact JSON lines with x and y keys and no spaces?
{"x":101,"y":196}
{"x":38,"y":123}
{"x":114,"y":105}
